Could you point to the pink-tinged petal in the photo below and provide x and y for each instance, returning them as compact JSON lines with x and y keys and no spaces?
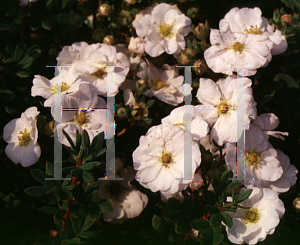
{"x":291,"y":171}
{"x":281,"y":185}
{"x":154,"y":49}
{"x":30,"y":154}
{"x":12,"y":151}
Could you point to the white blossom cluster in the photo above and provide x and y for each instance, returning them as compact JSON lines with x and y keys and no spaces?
{"x":244,"y":43}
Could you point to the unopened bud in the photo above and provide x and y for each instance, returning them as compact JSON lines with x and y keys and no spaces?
{"x":122,"y":112}
{"x":187,"y":55}
{"x":199,"y":67}
{"x":130,"y":1}
{"x":124,"y":18}
{"x":296,"y":204}
{"x":287,"y":18}
{"x":197,"y":182}
{"x":109,"y":40}
{"x":105,"y":9}
{"x":202,"y":30}
{"x":139,"y":111}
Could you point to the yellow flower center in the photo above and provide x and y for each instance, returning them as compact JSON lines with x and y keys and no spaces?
{"x":24,"y":138}
{"x":166,"y":158}
{"x":253,"y":158}
{"x":223,"y":107}
{"x":81,"y":118}
{"x":158,"y":83}
{"x":101,"y":72}
{"x":253,"y":30}
{"x":165,"y":30}
{"x":251,"y":216}
{"x":179,"y":124}
{"x":64,"y":87}
{"x":237,"y":47}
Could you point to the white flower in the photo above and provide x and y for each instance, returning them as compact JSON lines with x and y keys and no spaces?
{"x":25,"y":2}
{"x":140,"y":15}
{"x":237,"y":52}
{"x":260,"y":158}
{"x":66,"y":81}
{"x":164,"y":29}
{"x":199,"y":127}
{"x":128,"y":202}
{"x":130,"y":1}
{"x":128,"y":97}
{"x":80,"y":118}
{"x":137,"y":45}
{"x":167,"y":85}
{"x":250,"y":21}
{"x":267,"y":122}
{"x":93,"y":63}
{"x":287,"y":179}
{"x":21,"y":135}
{"x":219,"y":101}
{"x":159,"y":159}
{"x":253,"y":225}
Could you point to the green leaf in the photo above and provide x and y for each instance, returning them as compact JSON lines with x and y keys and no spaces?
{"x":87,"y":177}
{"x":19,"y":51}
{"x":229,"y":188}
{"x":40,"y":177}
{"x":216,"y":185}
{"x":200,"y":224}
{"x":6,"y":95}
{"x":53,"y":5}
{"x":210,"y":196}
{"x":175,"y":216}
{"x":189,"y":44}
{"x":74,"y":241}
{"x":94,"y":197}
{"x":95,"y":155}
{"x":212,"y":209}
{"x":91,"y":187}
{"x":148,"y":120}
{"x":25,"y":62}
{"x":97,"y":142}
{"x":6,"y":26}
{"x":69,"y":140}
{"x":174,"y":204}
{"x":47,"y":24}
{"x":150,"y":103}
{"x":226,"y":176}
{"x":48,"y":198}
{"x":49,"y":210}
{"x":226,"y":219}
{"x":78,"y":141}
{"x":74,"y":221}
{"x":76,"y":172}
{"x":65,"y":194}
{"x":215,"y":219}
{"x":158,"y":225}
{"x":22,"y":74}
{"x":106,"y":206}
{"x":182,"y":227}
{"x":161,"y":205}
{"x":35,"y":24}
{"x":67,"y":170}
{"x":291,"y":83}
{"x":224,"y":197}
{"x":85,"y":139}
{"x":36,"y":191}
{"x":242,"y":196}
{"x":50,"y":168}
{"x":62,"y":18}
{"x":88,"y":222}
{"x":150,"y":234}
{"x":207,"y":233}
{"x":67,"y":181}
{"x":58,"y":220}
{"x":188,"y":206}
{"x":217,"y":236}
{"x":88,"y":234}
{"x":90,"y":166}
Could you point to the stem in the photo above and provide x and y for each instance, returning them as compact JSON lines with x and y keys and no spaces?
{"x":74,"y":179}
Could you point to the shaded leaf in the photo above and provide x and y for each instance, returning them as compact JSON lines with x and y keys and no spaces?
{"x":106,"y":206}
{"x":90,"y":166}
{"x":226,"y":219}
{"x":174,"y":204}
{"x":158,"y":225}
{"x":36,"y":191}
{"x":200,"y":224}
{"x":49,"y":209}
{"x":87,"y":177}
{"x":242,"y":196}
{"x":215,"y":219}
{"x":212,"y":209}
{"x":175,"y":216}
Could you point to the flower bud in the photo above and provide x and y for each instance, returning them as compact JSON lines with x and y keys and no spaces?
{"x":287,"y":18}
{"x":193,"y":12}
{"x":105,"y":9}
{"x":296,"y":204}
{"x":139,"y":111}
{"x":199,"y":67}
{"x":109,"y":40}
{"x":122,"y":112}
{"x":137,"y":45}
{"x":197,"y":182}
{"x":187,"y":55}
{"x":202,"y":30}
{"x":130,"y":1}
{"x":124,"y":18}
{"x":142,"y":85}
